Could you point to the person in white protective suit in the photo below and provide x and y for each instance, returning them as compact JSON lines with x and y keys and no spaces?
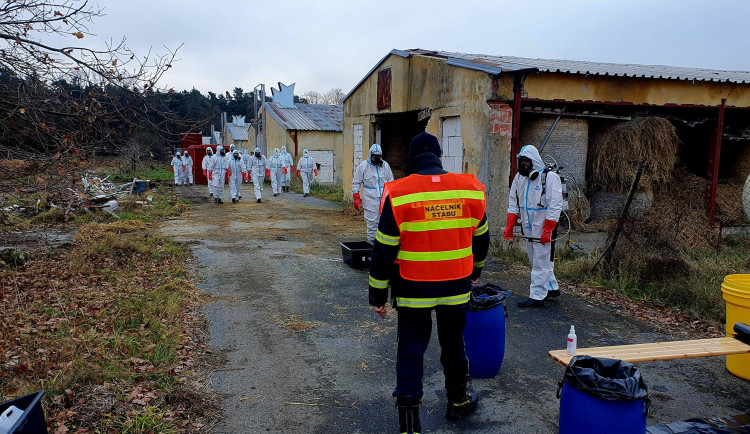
{"x":177,"y":168}
{"x":236,"y":176}
{"x":245,"y":160}
{"x":257,"y":166}
{"x":206,"y":164}
{"x":536,"y":198}
{"x":371,"y":174}
{"x":305,"y":169}
{"x":220,"y":171}
{"x":288,"y":167}
{"x":188,"y":173}
{"x":276,"y":167}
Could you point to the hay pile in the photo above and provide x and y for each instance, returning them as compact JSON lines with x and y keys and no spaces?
{"x":616,"y":153}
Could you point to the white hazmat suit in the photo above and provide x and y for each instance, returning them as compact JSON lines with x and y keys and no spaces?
{"x":188,"y":173}
{"x":219,"y":168}
{"x":305,"y":169}
{"x":275,"y":165}
{"x":537,"y":200}
{"x":371,"y":177}
{"x":206,"y":165}
{"x":237,"y":173}
{"x":288,"y":163}
{"x":177,"y":168}
{"x":257,"y":166}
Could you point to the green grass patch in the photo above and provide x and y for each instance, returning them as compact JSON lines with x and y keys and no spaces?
{"x":331,"y":193}
{"x":149,"y":420}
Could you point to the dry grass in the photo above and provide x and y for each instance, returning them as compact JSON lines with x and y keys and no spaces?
{"x":616,"y":153}
{"x":294,"y":323}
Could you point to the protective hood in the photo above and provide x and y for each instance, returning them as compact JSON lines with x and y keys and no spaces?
{"x":530,"y":152}
{"x":304,"y":151}
{"x":257,"y":150}
{"x":209,"y":151}
{"x":283,"y":149}
{"x":375,"y":149}
{"x":276,"y":152}
{"x":219,"y":149}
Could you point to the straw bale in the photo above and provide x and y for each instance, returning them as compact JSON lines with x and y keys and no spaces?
{"x":729,"y":204}
{"x":617,"y":151}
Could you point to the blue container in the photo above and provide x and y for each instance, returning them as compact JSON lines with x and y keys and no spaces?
{"x":484,"y":337}
{"x":582,"y":413}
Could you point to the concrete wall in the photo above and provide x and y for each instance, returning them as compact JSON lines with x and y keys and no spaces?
{"x":570,"y":87}
{"x":424,"y":83}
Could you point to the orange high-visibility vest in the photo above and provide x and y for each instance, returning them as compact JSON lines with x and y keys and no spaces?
{"x":436,"y":216}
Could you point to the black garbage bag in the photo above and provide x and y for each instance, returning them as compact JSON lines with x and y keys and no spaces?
{"x":609,"y":379}
{"x":715,"y":425}
{"x":487,"y":296}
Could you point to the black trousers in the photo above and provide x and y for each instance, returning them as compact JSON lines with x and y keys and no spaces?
{"x":414,"y":329}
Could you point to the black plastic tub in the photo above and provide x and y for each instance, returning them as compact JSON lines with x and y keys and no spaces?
{"x":356,"y":253}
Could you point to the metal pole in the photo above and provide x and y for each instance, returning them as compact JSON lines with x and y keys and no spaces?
{"x":515,"y":148}
{"x":549,"y":134}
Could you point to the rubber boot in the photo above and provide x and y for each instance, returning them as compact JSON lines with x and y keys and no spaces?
{"x":408,"y":415}
{"x":461,"y":402}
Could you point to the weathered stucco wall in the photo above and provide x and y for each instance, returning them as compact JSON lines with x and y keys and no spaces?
{"x":322,"y":141}
{"x":425,"y":83}
{"x":550,"y":86}
{"x":277,"y":136}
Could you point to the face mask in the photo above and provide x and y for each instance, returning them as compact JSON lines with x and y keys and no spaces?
{"x":376,"y":160}
{"x":236,"y":156}
{"x":524,"y":167}
{"x":223,"y":152}
{"x":257,"y":155}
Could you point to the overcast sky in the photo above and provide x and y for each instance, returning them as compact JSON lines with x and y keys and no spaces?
{"x":323,"y":44}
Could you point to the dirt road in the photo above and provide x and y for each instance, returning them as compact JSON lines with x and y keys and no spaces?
{"x":304,"y":352}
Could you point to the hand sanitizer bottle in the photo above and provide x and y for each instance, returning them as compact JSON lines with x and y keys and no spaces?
{"x":572,"y":341}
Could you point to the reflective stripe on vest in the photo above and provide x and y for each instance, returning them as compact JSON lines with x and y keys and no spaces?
{"x":437,"y":215}
{"x":432,"y":302}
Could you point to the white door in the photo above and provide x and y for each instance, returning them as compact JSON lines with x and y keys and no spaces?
{"x":357,"y":147}
{"x":453,"y":148}
{"x":324,"y":161}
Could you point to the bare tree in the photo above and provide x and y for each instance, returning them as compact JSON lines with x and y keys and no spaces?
{"x":332,"y":97}
{"x":60,"y":100}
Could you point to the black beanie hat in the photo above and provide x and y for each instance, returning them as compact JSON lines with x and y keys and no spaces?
{"x":422,"y":143}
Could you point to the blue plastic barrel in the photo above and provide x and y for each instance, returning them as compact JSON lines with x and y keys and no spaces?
{"x":582,"y":413}
{"x":484,"y":337}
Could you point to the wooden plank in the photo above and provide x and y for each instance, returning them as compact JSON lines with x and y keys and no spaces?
{"x":660,"y":350}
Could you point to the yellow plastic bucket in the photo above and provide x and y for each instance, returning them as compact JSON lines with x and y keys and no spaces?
{"x":736,"y":291}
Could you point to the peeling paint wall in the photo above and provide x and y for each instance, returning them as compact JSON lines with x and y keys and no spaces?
{"x":424,"y":83}
{"x":570,"y":87}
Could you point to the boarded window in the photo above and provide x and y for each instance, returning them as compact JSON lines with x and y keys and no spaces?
{"x":384,"y":89}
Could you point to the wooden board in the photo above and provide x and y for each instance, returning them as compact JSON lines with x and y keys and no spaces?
{"x":660,"y":350}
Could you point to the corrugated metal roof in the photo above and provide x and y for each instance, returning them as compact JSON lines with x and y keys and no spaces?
{"x":310,"y":117}
{"x":497,"y":64}
{"x":238,"y":132}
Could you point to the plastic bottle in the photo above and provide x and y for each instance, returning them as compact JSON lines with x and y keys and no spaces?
{"x":572,"y":341}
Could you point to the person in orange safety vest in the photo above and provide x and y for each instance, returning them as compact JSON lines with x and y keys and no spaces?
{"x":430,"y":246}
